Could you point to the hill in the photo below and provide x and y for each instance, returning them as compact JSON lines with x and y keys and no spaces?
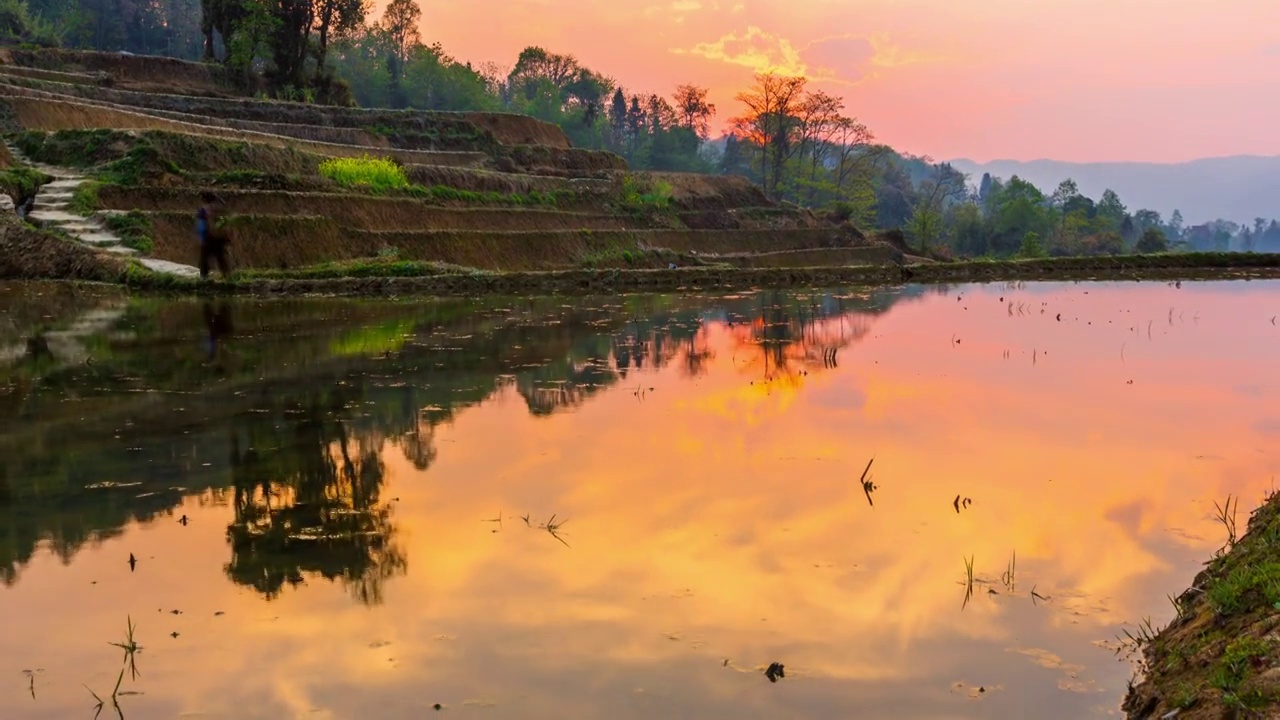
{"x":1231,"y":188}
{"x":131,"y":142}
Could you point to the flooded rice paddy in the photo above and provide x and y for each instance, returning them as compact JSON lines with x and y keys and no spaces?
{"x":916,"y":502}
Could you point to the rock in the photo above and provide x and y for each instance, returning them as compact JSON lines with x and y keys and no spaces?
{"x":6,"y":203}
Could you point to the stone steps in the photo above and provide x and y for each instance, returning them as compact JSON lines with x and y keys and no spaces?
{"x":51,"y":209}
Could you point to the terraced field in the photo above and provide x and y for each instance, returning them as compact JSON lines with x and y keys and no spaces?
{"x":141,"y":138}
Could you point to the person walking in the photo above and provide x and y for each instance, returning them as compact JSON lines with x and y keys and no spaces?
{"x":213,"y":239}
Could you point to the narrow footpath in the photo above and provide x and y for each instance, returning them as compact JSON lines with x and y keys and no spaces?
{"x":52,"y":211}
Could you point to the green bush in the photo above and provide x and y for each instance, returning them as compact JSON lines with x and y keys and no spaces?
{"x":647,"y":195}
{"x":379,"y":174}
{"x":1032,"y":247}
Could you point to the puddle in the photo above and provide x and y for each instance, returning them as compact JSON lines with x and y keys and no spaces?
{"x":630,"y":506}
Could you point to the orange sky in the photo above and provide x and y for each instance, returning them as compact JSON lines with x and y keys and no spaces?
{"x":1082,"y":80}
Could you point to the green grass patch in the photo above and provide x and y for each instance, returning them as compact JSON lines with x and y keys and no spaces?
{"x":377,"y":174}
{"x":1246,"y":586}
{"x":135,"y":230}
{"x":1238,"y":661}
{"x":85,"y":199}
{"x":387,"y":265}
{"x":644,"y":195}
{"x":20,"y":183}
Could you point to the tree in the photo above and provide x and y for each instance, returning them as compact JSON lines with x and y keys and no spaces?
{"x":770,"y":122}
{"x":400,"y":21}
{"x":925,"y":226}
{"x":984,"y":187}
{"x":1031,"y":246}
{"x":694,"y":110}
{"x":1066,"y":192}
{"x":1144,"y":219}
{"x":336,"y":18}
{"x":1152,"y":241}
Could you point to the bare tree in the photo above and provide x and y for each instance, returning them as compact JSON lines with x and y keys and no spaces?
{"x":694,"y":110}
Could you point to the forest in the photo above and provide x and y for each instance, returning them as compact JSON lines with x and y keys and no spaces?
{"x":800,"y":144}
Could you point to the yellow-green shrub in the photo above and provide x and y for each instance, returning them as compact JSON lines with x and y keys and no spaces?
{"x":371,"y":172}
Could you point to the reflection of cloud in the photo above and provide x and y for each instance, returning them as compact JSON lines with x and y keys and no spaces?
{"x":1269,"y":427}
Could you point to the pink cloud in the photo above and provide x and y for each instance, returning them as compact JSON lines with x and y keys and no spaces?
{"x":1068,"y":79}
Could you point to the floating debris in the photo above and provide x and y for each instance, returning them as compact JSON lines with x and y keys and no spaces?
{"x":774,"y":672}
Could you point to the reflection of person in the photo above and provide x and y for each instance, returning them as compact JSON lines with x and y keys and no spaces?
{"x":213,"y":239}
{"x":218,"y":323}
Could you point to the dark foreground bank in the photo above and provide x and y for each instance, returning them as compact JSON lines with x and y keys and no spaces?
{"x":29,"y":254}
{"x":596,"y":281}
{"x":1220,"y":657}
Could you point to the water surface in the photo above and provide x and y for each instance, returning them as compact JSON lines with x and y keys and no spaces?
{"x":367,"y":489}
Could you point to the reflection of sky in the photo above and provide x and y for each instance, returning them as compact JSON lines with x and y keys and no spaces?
{"x":720,"y":518}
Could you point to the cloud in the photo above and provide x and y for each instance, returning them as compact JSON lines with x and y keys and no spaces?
{"x":685,"y":5}
{"x":888,"y":55}
{"x":1272,"y":50}
{"x":843,"y":59}
{"x":840,"y":58}
{"x":1268,"y":427}
{"x":755,"y":49}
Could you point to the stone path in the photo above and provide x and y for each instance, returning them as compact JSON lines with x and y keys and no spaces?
{"x":52,"y":210}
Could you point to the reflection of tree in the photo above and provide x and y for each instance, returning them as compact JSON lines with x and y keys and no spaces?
{"x":305,"y":472}
{"x":791,"y":335}
{"x":309,"y":504}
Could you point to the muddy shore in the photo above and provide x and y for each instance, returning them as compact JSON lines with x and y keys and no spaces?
{"x":1159,"y":267}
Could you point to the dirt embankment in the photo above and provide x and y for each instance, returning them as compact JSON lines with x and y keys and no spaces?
{"x":1220,"y":657}
{"x":29,"y":254}
{"x":511,"y":129}
{"x":291,"y":242}
{"x":371,"y":213}
{"x":44,"y":114}
{"x":486,"y":181}
{"x":55,"y":76}
{"x":137,"y":71}
{"x":403,"y":128}
{"x":693,"y":192}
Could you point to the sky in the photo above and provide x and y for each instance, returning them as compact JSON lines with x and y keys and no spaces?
{"x":1073,"y":80}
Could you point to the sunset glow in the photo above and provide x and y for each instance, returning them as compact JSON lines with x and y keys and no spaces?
{"x":1080,"y":80}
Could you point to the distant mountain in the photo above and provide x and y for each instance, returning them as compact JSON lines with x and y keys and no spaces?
{"x":1230,"y":188}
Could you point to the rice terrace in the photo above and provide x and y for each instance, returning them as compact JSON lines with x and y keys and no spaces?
{"x":343,"y":377}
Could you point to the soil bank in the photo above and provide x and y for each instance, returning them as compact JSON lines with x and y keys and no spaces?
{"x":1220,"y":657}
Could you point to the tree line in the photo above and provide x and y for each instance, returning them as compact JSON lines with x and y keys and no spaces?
{"x":802,"y":145}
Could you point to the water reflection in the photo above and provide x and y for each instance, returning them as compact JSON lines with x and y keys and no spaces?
{"x":307,"y":500}
{"x":297,"y":394}
{"x":789,"y":478}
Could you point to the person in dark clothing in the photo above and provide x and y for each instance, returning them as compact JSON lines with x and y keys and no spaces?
{"x":213,"y":239}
